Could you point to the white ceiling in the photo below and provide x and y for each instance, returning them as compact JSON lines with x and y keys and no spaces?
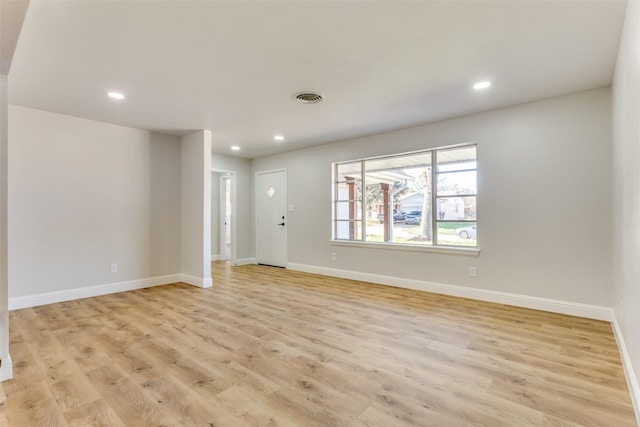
{"x":233,"y":67}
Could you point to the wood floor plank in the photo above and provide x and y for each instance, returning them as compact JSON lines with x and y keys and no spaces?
{"x":128,"y":400}
{"x":374,"y":417}
{"x":4,"y":409}
{"x":73,"y":390}
{"x":253,"y":408}
{"x":96,"y":414}
{"x":267,"y":364}
{"x":551,"y":421}
{"x":271,"y":347}
{"x":187,"y":406}
{"x":25,"y":367}
{"x":34,"y":405}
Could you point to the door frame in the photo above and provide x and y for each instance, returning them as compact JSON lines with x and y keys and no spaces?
{"x":255,"y":204}
{"x":231,"y":175}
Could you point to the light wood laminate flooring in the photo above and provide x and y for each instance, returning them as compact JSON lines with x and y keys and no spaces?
{"x":272,"y":347}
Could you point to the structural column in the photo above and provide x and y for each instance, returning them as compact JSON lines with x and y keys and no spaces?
{"x":386,"y":209}
{"x":196,"y":208}
{"x":351,"y":184}
{"x":12,"y":14}
{"x":6,"y":370}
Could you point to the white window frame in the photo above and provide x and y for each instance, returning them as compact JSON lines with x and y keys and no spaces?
{"x":361,"y":217}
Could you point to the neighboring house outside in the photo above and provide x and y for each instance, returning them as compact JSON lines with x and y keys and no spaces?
{"x":448,"y":209}
{"x":411,"y":202}
{"x":451,"y":209}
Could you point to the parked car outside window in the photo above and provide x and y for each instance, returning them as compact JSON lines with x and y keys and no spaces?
{"x":398,"y":215}
{"x":466,"y":232}
{"x":413,"y":217}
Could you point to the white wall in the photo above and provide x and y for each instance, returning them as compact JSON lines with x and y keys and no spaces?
{"x":245,"y":246}
{"x":626,"y":196}
{"x":85,"y":194}
{"x":196,"y":208}
{"x":543,"y":208}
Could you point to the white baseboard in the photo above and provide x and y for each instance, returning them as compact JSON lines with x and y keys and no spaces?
{"x":6,"y":369}
{"x":245,"y":261}
{"x":90,"y":291}
{"x":632,"y":381}
{"x":109,"y":288}
{"x":217,"y":257}
{"x":525,"y":301}
{"x":207,"y":282}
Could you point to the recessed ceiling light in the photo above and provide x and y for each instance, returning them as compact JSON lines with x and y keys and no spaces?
{"x":482,"y":85}
{"x":115,"y":95}
{"x":235,"y":147}
{"x":279,"y":138}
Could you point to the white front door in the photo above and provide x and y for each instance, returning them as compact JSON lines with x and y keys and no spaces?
{"x":271,"y":218}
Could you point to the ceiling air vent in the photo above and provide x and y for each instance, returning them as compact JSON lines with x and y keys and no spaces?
{"x":308,"y":97}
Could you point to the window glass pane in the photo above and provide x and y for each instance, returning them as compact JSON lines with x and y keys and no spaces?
{"x":457,"y":183}
{"x":349,"y":171}
{"x":456,"y":208}
{"x":457,"y":233}
{"x":348,"y":210}
{"x":375,"y":231}
{"x":413,"y":232}
{"x":375,"y":200}
{"x":349,"y":230}
{"x":400,"y":163}
{"x":464,"y":155}
{"x":409,"y":220}
{"x":399,"y":232}
{"x":455,"y":167}
{"x":348,"y":191}
{"x":416,"y":205}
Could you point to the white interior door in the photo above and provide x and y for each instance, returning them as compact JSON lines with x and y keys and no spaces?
{"x":271,"y":218}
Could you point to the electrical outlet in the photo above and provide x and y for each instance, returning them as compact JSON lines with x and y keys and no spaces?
{"x":114,"y":268}
{"x":472,"y":271}
{"x":333,"y":256}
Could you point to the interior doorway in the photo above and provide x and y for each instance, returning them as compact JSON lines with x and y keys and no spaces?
{"x":225,"y":214}
{"x":223,"y":227}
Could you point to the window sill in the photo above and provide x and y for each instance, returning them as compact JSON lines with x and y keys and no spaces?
{"x":412,"y":248}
